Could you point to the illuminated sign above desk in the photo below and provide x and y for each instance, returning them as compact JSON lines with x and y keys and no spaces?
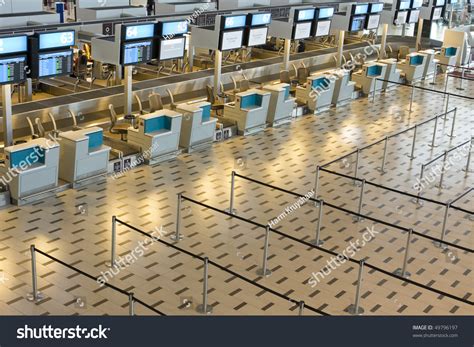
{"x":173,"y":28}
{"x":376,"y":7}
{"x":325,"y":12}
{"x":257,"y":19}
{"x":233,"y":22}
{"x":138,"y":32}
{"x":57,"y":40}
{"x":302,"y":15}
{"x":360,"y":9}
{"x":13,"y":44}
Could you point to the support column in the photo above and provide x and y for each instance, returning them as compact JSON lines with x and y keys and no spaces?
{"x":7,"y":115}
{"x":286,"y":54}
{"x":217,"y":73}
{"x":340,"y":48}
{"x":128,"y":93}
{"x":383,"y":43}
{"x":418,"y":33}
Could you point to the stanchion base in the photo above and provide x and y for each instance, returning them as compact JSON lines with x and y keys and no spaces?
{"x":440,"y":245}
{"x":451,"y":136}
{"x":233,"y":211}
{"x":109,"y":264}
{"x":382,"y":171}
{"x":39,"y":296}
{"x":357,"y":183}
{"x":418,"y":202}
{"x":467,"y":171}
{"x":316,"y":242}
{"x":265,"y":273}
{"x":176,"y":239}
{"x":352,"y":310}
{"x":440,"y":186}
{"x":433,"y":146}
{"x":409,"y":156}
{"x":200,"y":309}
{"x":399,"y":272}
{"x":357,"y":219}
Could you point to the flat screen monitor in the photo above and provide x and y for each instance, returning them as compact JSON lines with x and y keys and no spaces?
{"x":322,"y":28}
{"x":57,"y":40}
{"x":325,"y":12}
{"x":54,"y":64}
{"x":357,"y":23}
{"x":231,"y":40}
{"x":257,"y":36}
{"x":233,"y":22}
{"x":413,"y":16}
{"x":137,"y":52}
{"x":376,"y":7}
{"x":12,"y":70}
{"x":400,"y":17}
{"x":172,"y":48}
{"x":437,"y":12}
{"x":403,"y":4}
{"x":138,"y":32}
{"x":302,"y":15}
{"x":360,"y":9}
{"x":174,"y":28}
{"x":302,"y":30}
{"x":257,"y":19}
{"x":440,"y":2}
{"x":13,"y":44}
{"x":416,"y":3}
{"x":372,"y":21}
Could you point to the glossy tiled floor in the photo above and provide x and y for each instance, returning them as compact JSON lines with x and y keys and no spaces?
{"x":75,"y":226}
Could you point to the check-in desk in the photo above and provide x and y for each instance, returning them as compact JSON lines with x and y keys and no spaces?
{"x":366,"y":78}
{"x":249,"y":111}
{"x":344,"y":87}
{"x":392,"y":73}
{"x":317,"y":92}
{"x":198,"y":127}
{"x":83,"y":155}
{"x":448,"y":56}
{"x":31,"y":168}
{"x":281,"y":103}
{"x":413,"y":67}
{"x":431,"y":62}
{"x":157,"y":135}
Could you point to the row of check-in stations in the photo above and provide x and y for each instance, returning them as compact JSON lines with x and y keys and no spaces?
{"x":79,"y":155}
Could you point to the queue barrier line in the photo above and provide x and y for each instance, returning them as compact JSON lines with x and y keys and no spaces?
{"x":131,"y":296}
{"x":447,"y":151}
{"x":308,"y":244}
{"x":223,"y":268}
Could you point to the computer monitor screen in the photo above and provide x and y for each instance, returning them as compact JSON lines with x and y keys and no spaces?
{"x":376,"y":7}
{"x":260,"y":19}
{"x":437,"y":12}
{"x":138,"y":32}
{"x":400,"y":17}
{"x":12,"y":70}
{"x":403,"y":4}
{"x":306,"y":14}
{"x":361,"y":9}
{"x":326,"y":12}
{"x":232,"y":22}
{"x":322,"y":28}
{"x":172,"y":48}
{"x":440,"y":2}
{"x":302,"y":30}
{"x":174,"y":28}
{"x":257,"y":36}
{"x":15,"y":44}
{"x":54,"y":64}
{"x":357,"y":23}
{"x":231,"y":40}
{"x":136,"y":52}
{"x":416,"y":3}
{"x":373,"y":22}
{"x":413,"y":16}
{"x":57,"y":40}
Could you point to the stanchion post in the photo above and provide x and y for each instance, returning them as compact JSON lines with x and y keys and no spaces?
{"x":301,"y":308}
{"x":373,"y":90}
{"x":440,"y":243}
{"x":443,"y":167}
{"x":356,"y":171}
{"x":361,"y":198}
{"x":317,"y":241}
{"x":316,"y":185}
{"x":418,"y":195}
{"x":453,"y":123}
{"x":205,"y":308}
{"x":355,"y":309}
{"x":434,"y":133}
{"x":384,"y":158}
{"x":412,"y":154}
{"x":446,"y":83}
{"x":177,"y":235}
{"x":411,"y":98}
{"x":403,"y":271}
{"x":446,"y":108}
{"x":35,"y":295}
{"x":131,"y":304}
{"x":435,"y":73}
{"x":264,"y":271}
{"x":461,"y":82}
{"x":112,"y":262}
{"x":231,"y":209}
{"x":466,"y":169}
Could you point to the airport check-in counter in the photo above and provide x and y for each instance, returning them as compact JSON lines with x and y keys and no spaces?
{"x":198,"y":127}
{"x":448,"y":56}
{"x":318,"y":91}
{"x":392,"y":73}
{"x":249,"y":111}
{"x":431,"y":61}
{"x":366,"y":78}
{"x":33,"y":167}
{"x":344,"y":87}
{"x":281,"y":103}
{"x":157,"y":135}
{"x":83,"y":154}
{"x":413,"y":67}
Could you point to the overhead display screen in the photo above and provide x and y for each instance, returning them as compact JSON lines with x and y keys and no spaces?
{"x":56,"y":40}
{"x":233,"y":22}
{"x":403,"y":4}
{"x":136,"y":52}
{"x":14,"y":44}
{"x":400,"y":17}
{"x":54,"y":64}
{"x":437,"y":11}
{"x":413,"y":16}
{"x":172,"y":48}
{"x":440,"y":2}
{"x":260,"y":19}
{"x":416,"y":3}
{"x":361,"y":9}
{"x":174,"y":28}
{"x":373,"y":22}
{"x":12,"y":70}
{"x":357,"y":23}
{"x":326,"y":12}
{"x":302,"y":30}
{"x":322,"y":28}
{"x":306,"y":14}
{"x":376,"y":7}
{"x":231,"y":40}
{"x":257,"y":36}
{"x":139,"y":32}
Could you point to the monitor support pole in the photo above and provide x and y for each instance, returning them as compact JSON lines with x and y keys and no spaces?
{"x":7,"y":115}
{"x":286,"y":54}
{"x":128,"y":93}
{"x":217,"y":73}
{"x":340,"y":48}
{"x":418,"y":34}
{"x":383,"y":43}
